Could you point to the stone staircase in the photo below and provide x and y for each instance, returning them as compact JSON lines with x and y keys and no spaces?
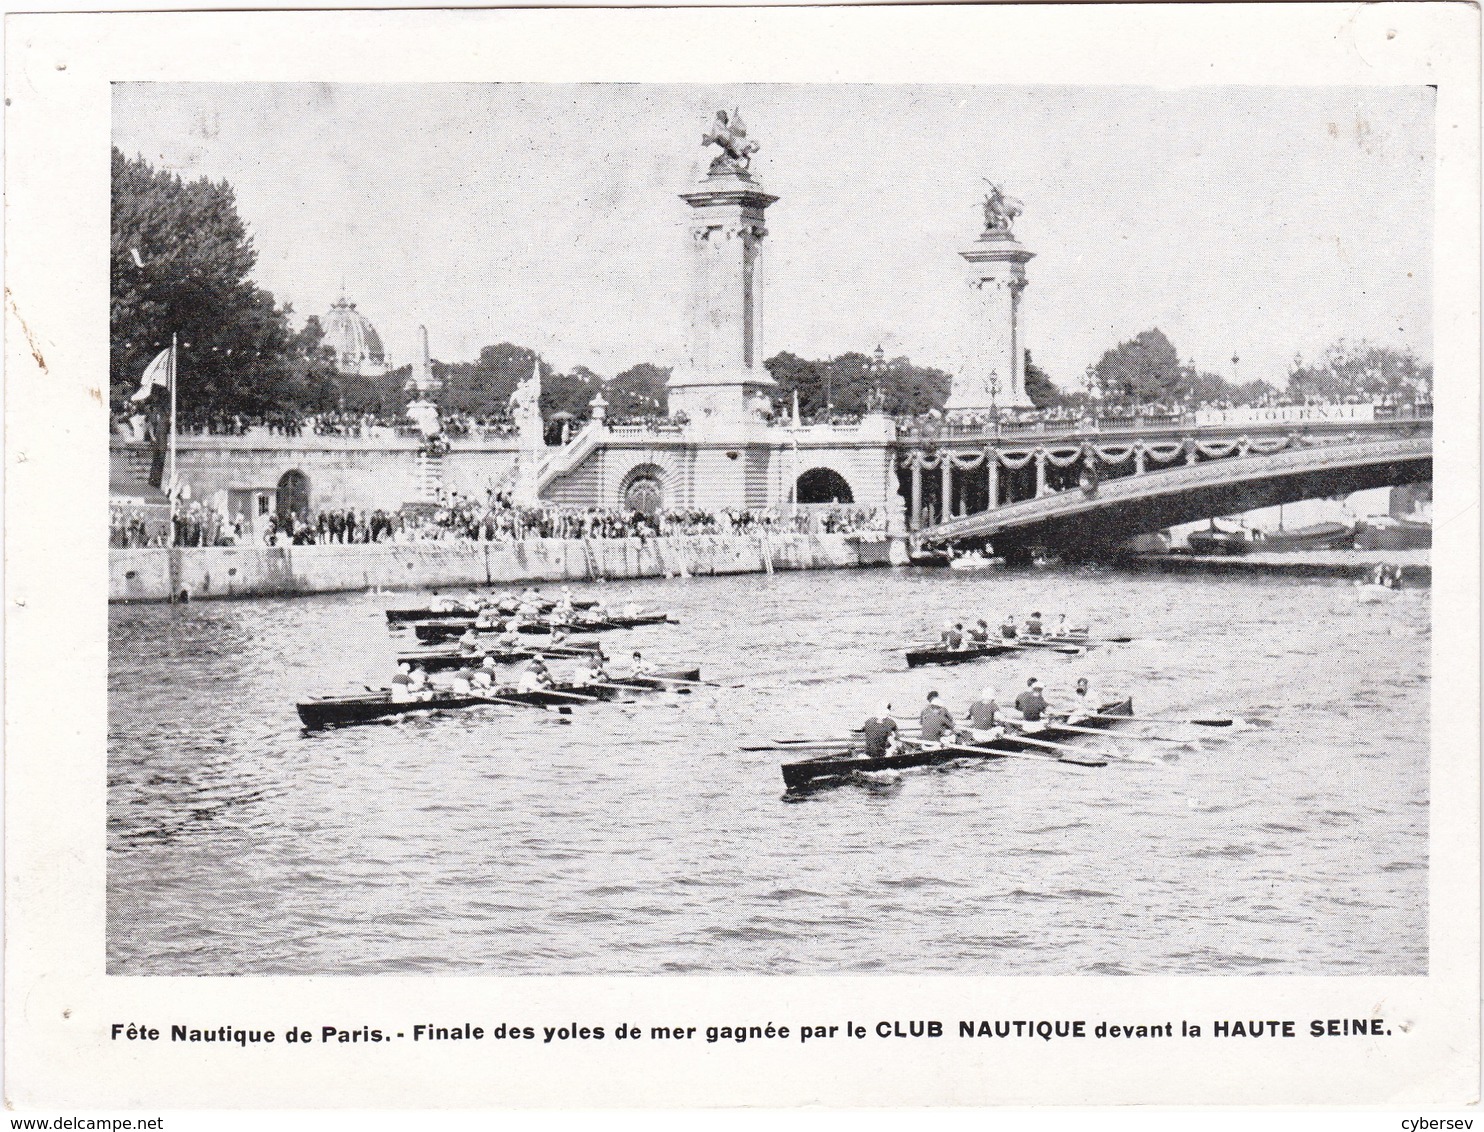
{"x":568,"y":457}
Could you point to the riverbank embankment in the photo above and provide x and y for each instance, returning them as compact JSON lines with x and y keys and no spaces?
{"x":1416,"y":565}
{"x":158,"y":574}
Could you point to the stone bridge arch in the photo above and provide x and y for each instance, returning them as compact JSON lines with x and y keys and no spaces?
{"x":823,"y":484}
{"x":649,"y":482}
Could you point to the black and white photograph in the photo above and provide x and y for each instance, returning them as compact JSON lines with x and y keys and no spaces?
{"x":1027,"y":601}
{"x":786,"y":529}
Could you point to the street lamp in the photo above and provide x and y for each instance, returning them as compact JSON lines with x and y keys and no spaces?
{"x":1090,"y":381}
{"x":877,"y":367}
{"x":994,"y":393}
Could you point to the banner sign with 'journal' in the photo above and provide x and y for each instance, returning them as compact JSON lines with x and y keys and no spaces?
{"x":1277,"y":414}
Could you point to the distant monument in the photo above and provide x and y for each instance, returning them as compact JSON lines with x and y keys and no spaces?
{"x":525,"y":411}
{"x":421,"y":381}
{"x":723,"y":379}
{"x":993,"y":375}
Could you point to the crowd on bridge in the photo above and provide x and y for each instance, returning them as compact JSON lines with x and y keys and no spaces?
{"x":1093,"y":414}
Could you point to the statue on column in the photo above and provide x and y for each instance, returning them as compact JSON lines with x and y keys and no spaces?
{"x":729,"y":132}
{"x":525,"y":411}
{"x":1000,"y":210}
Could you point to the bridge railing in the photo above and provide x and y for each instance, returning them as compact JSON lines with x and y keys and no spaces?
{"x":1139,"y":422}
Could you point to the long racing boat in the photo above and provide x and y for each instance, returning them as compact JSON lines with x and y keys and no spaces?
{"x":402,"y":616}
{"x":444,"y":630}
{"x":835,"y":767}
{"x":447,"y":659}
{"x":1073,"y":644}
{"x":319,"y":712}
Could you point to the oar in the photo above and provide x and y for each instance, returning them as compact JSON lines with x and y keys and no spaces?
{"x":1021,"y":737}
{"x":697,"y":683}
{"x":560,"y":709}
{"x":1235,"y":721}
{"x":1069,"y":650}
{"x":570,"y":695}
{"x":636,"y":687}
{"x":988,"y":752}
{"x":821,"y":746}
{"x":1126,"y":738}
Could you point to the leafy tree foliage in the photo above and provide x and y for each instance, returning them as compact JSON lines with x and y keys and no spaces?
{"x":235,"y":342}
{"x":1039,"y":387}
{"x":1146,"y":368}
{"x":846,"y":382}
{"x":639,"y":391}
{"x":1362,"y":370}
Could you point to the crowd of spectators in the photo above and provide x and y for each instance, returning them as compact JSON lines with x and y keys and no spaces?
{"x":498,"y":519}
{"x":1116,"y":411}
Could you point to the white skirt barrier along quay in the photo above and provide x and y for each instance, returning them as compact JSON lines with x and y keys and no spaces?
{"x":196,"y":573}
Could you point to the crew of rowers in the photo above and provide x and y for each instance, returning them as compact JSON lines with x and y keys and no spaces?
{"x":413,"y":683}
{"x":529,"y":607}
{"x":985,"y":721}
{"x":956,"y":636}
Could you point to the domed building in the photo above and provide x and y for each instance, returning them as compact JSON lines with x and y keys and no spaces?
{"x":357,"y":346}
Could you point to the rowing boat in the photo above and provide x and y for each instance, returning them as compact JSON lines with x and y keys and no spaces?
{"x":443,"y":630}
{"x":446,"y":660}
{"x":319,"y":712}
{"x":942,"y":654}
{"x":402,"y":616}
{"x":828,"y":768}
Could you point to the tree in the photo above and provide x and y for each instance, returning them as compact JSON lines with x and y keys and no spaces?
{"x":1039,"y":387}
{"x":1364,"y":371}
{"x":180,"y":263}
{"x":845,"y":382}
{"x":640,"y":391}
{"x":483,"y":388}
{"x":1146,"y":368}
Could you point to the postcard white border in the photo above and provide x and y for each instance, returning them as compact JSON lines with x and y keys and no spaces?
{"x":59,"y":1002}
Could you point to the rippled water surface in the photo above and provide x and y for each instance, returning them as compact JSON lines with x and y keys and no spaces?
{"x":637,"y":838}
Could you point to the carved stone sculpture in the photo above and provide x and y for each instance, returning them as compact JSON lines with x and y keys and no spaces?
{"x":1000,"y":210}
{"x":729,"y":132}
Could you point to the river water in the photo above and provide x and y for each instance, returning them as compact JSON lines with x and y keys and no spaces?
{"x":638,"y":838}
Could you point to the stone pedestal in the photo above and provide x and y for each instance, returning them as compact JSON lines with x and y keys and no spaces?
{"x":996,"y":277}
{"x":724,"y":378}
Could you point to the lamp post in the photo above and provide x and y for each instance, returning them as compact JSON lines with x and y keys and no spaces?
{"x":994,"y":394}
{"x":877,"y":367}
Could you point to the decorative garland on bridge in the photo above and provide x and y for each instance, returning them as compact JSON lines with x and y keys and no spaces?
{"x":1111,"y":455}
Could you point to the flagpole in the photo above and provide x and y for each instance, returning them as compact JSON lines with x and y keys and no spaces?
{"x":171,"y":479}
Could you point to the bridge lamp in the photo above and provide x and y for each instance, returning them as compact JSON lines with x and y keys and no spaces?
{"x":877,"y":369}
{"x":994,"y":392}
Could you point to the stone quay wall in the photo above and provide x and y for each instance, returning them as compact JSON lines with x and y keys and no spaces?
{"x":157,"y":574}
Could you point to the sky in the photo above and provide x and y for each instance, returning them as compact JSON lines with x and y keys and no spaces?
{"x":1256,"y":222}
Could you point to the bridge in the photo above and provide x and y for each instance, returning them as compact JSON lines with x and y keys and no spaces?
{"x":1081,"y":488}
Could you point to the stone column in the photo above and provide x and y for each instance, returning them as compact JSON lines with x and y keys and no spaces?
{"x":724,"y":376}
{"x":1139,"y":460}
{"x":1190,"y":452}
{"x":945,"y":507}
{"x":1040,"y":472}
{"x":996,"y":349}
{"x":992,"y":462}
{"x":916,"y":517}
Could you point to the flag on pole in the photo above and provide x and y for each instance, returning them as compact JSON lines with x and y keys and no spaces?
{"x":156,"y":373}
